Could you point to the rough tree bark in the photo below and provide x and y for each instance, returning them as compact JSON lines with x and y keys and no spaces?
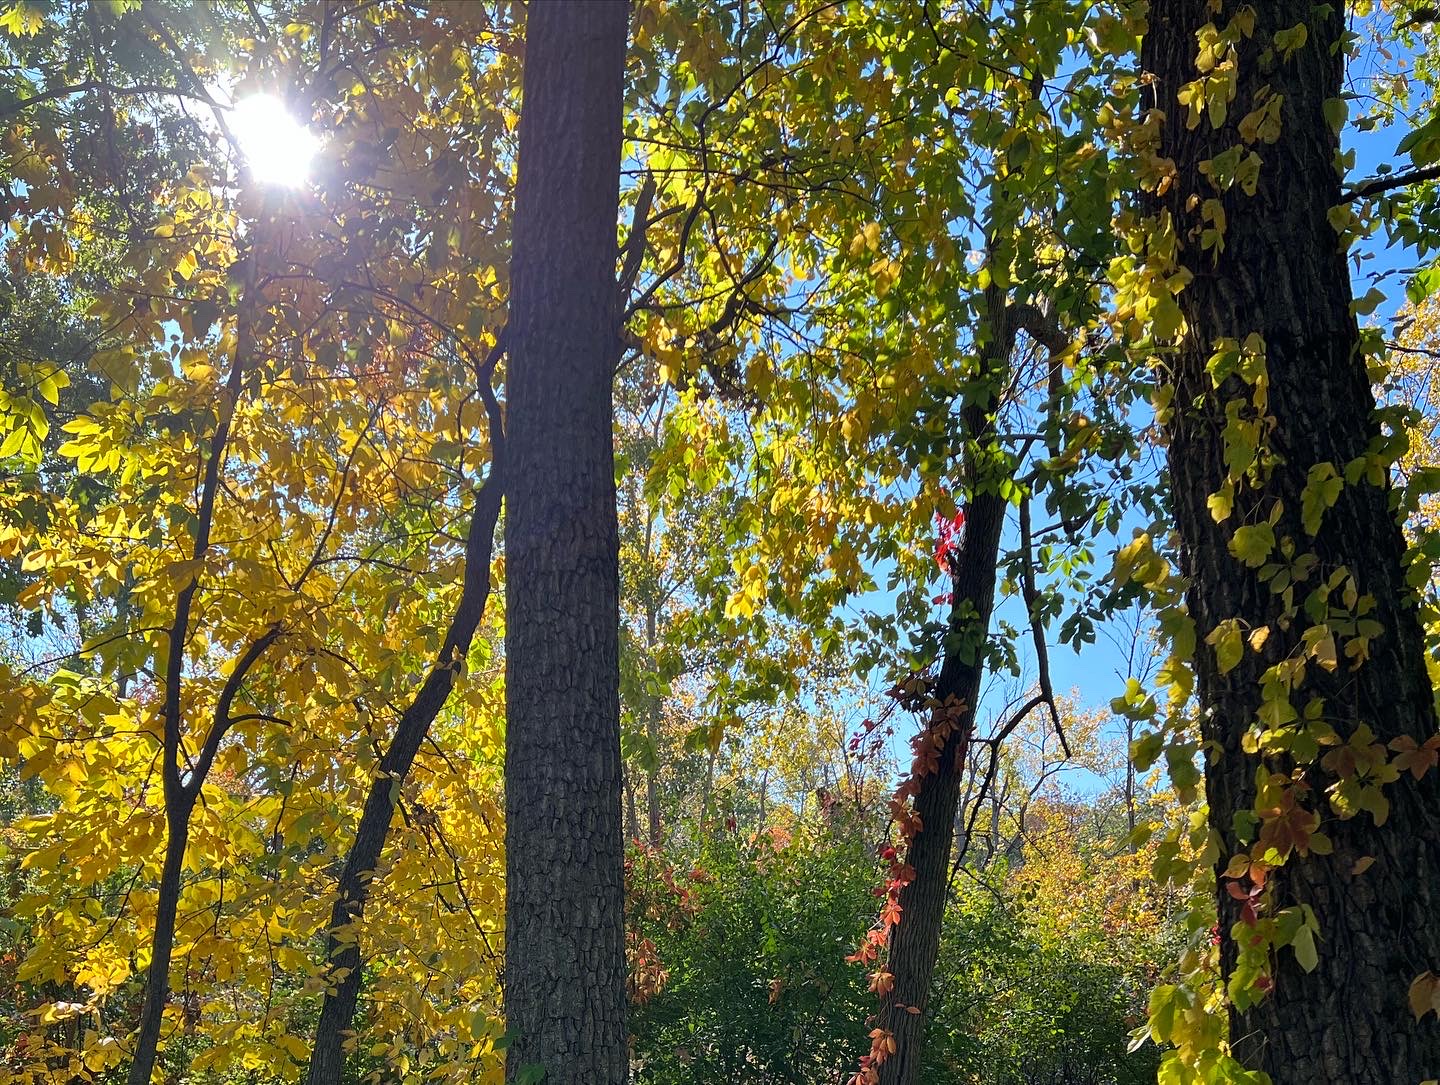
{"x":1282,"y":274}
{"x":565,"y":958}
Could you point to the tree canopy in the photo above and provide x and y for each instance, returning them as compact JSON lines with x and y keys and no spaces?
{"x":684,"y":540}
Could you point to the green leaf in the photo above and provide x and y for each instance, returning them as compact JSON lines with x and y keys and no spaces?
{"x":1366,"y":305}
{"x":1252,"y":544}
{"x":1166,"y":319}
{"x":1228,"y":644}
{"x":1322,"y":490}
{"x":1425,"y":282}
{"x":1146,"y":749}
{"x":1304,"y":946}
{"x":1336,"y":113}
{"x":1423,"y":144}
{"x":13,"y":442}
{"x":1289,"y":41}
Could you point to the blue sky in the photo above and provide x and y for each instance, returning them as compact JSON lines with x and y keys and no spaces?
{"x":1097,"y":673}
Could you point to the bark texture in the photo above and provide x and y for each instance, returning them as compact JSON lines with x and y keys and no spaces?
{"x":1282,"y":274}
{"x":565,"y":960}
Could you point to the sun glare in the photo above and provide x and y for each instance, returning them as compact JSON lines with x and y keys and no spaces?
{"x":277,"y":147}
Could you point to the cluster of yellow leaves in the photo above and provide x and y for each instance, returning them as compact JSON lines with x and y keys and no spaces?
{"x":353,"y":311}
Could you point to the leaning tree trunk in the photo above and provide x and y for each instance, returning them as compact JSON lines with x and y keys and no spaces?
{"x":1282,"y":274}
{"x":915,"y":940}
{"x":564,"y":952}
{"x":335,"y":1029}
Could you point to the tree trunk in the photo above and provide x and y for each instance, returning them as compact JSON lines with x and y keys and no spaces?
{"x":652,"y":804}
{"x":1282,"y":274}
{"x":632,"y":818}
{"x":652,"y":733}
{"x":708,"y":788}
{"x":342,"y":949}
{"x":915,"y":939}
{"x":179,"y":791}
{"x":565,"y":959}
{"x":1130,"y":785}
{"x":157,"y":977}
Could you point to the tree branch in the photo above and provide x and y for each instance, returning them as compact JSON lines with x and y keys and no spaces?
{"x":51,"y":95}
{"x":634,"y":251}
{"x":1037,"y":629}
{"x":1377,"y":185}
{"x":221,"y":721}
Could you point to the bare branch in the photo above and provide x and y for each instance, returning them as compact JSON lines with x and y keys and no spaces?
{"x":1378,"y":185}
{"x":1037,"y":628}
{"x":634,"y":250}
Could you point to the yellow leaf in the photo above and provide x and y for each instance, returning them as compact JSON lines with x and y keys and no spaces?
{"x":22,"y":20}
{"x":1229,"y":646}
{"x":1425,"y":994}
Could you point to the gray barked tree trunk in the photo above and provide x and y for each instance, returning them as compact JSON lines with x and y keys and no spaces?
{"x":1282,"y":274}
{"x":565,"y":998}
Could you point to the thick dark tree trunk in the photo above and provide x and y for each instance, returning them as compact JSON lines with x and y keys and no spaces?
{"x":1282,"y":274}
{"x":564,"y":956}
{"x":915,"y":939}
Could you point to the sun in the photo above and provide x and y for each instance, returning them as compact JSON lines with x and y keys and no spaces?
{"x":277,"y":147}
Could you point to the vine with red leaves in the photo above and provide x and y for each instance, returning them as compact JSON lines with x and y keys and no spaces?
{"x":914,"y":695}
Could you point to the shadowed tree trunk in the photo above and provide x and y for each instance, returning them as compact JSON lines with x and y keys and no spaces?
{"x":1282,"y":274}
{"x":181,"y":779}
{"x":915,"y":939}
{"x":343,"y":950}
{"x":565,"y":961}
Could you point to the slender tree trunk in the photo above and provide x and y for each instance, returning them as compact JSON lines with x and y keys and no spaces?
{"x":565,"y":961}
{"x":652,"y":804}
{"x":179,"y":792}
{"x":652,"y":732}
{"x":157,"y":977}
{"x":1282,"y":274}
{"x":1130,"y":784}
{"x":707,"y":790}
{"x":343,"y":950}
{"x":915,"y":939}
{"x":632,"y":817}
{"x":764,"y":795}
